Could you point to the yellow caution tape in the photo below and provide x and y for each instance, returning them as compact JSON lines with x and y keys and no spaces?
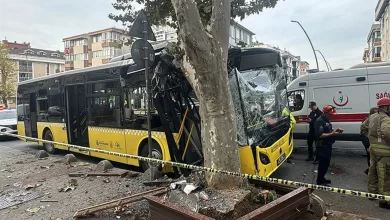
{"x":199,"y":168}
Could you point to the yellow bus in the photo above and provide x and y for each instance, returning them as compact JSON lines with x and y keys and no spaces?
{"x":103,"y":107}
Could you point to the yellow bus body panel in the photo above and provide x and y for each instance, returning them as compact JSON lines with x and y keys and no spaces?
{"x":21,"y":129}
{"x":129,"y":141}
{"x":109,"y":139}
{"x":279,"y":148}
{"x":57,"y":129}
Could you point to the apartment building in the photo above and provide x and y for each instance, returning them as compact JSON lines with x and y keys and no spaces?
{"x":303,"y":67}
{"x":382,"y":15}
{"x":374,"y":41}
{"x":165,"y":33}
{"x":291,"y":63}
{"x":33,"y":62}
{"x":94,"y":48}
{"x":237,"y":33}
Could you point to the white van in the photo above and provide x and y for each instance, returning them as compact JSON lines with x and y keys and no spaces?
{"x":353,"y":92}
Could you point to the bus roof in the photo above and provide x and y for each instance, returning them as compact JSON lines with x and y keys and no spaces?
{"x":83,"y":70}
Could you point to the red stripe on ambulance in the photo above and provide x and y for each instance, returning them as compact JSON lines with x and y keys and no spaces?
{"x":357,"y":117}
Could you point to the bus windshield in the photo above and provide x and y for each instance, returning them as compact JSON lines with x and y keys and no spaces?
{"x":258,"y":100}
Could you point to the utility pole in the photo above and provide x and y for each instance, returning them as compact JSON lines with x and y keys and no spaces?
{"x":312,"y":47}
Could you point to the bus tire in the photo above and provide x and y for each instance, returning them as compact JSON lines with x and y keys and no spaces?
{"x":156,"y":153}
{"x":49,"y":147}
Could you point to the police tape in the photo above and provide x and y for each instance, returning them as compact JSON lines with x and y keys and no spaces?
{"x":200,"y":168}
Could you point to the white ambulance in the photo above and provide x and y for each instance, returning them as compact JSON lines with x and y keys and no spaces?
{"x":353,"y":92}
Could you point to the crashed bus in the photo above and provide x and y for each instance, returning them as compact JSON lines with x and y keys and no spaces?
{"x":104,"y":107}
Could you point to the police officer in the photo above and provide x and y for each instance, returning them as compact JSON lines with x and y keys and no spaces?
{"x":311,"y":136}
{"x":378,"y":131}
{"x":326,"y":138}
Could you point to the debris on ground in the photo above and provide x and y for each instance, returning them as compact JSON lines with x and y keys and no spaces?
{"x":69,"y":158}
{"x":41,"y":154}
{"x":104,"y":165}
{"x":73,"y":182}
{"x":66,"y":188}
{"x":29,"y":186}
{"x":336,"y":170}
{"x":121,"y":174}
{"x":45,"y":200}
{"x":33,"y":210}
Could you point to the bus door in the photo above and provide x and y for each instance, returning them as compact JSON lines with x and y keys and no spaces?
{"x":30,"y":116}
{"x":76,"y":120}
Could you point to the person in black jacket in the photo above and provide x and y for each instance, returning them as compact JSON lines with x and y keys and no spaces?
{"x":364,"y":138}
{"x":311,"y":136}
{"x":326,"y":138}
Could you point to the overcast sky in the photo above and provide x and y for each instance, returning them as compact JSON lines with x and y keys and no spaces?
{"x":338,"y":28}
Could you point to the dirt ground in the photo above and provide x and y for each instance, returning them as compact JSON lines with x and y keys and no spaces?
{"x":20,"y":169}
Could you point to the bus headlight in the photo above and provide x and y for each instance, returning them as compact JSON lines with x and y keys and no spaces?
{"x":264,"y":159}
{"x":3,"y":129}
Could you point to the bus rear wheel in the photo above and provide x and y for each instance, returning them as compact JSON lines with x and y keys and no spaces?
{"x":49,"y":147}
{"x":156,"y":154}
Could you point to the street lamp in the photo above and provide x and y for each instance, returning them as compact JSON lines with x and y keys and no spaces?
{"x":315,"y":55}
{"x":326,"y":62}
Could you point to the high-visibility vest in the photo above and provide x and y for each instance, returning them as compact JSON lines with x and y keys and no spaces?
{"x":286,"y":113}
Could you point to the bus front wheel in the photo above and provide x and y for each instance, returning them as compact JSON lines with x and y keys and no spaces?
{"x":156,"y":154}
{"x":49,"y":147}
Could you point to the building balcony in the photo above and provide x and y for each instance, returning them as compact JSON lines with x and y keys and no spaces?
{"x":106,"y":60}
{"x":69,"y":65}
{"x":79,"y":49}
{"x":380,"y":8}
{"x":25,"y":70}
{"x":111,"y":44}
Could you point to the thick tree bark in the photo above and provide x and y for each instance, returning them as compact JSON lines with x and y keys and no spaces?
{"x":205,"y":65}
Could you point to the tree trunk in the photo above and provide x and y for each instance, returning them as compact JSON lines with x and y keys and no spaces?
{"x":205,"y":65}
{"x":5,"y":103}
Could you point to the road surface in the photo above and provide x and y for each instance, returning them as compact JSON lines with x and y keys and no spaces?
{"x":348,"y":165}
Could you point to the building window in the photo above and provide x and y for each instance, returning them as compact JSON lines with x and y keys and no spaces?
{"x":231,"y":31}
{"x":97,"y":38}
{"x":96,"y":54}
{"x":377,"y":52}
{"x":57,"y":68}
{"x":24,"y":76}
{"x":47,"y":68}
{"x":81,"y":56}
{"x":238,"y":33}
{"x":25,"y":66}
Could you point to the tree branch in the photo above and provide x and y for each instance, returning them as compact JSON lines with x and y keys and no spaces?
{"x":220,"y":22}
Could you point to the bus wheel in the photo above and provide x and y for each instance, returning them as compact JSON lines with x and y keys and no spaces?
{"x":156,"y":154}
{"x":49,"y":147}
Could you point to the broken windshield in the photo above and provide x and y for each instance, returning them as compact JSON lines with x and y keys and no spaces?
{"x":257,"y":97}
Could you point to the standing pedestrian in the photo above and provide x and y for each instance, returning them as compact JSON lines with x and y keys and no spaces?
{"x":311,"y":136}
{"x":326,"y":138}
{"x":378,"y":129}
{"x":364,"y":136}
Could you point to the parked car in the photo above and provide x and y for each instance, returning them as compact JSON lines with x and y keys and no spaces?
{"x":8,"y":122}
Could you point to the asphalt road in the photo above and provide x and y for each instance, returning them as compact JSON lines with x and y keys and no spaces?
{"x":347,"y":164}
